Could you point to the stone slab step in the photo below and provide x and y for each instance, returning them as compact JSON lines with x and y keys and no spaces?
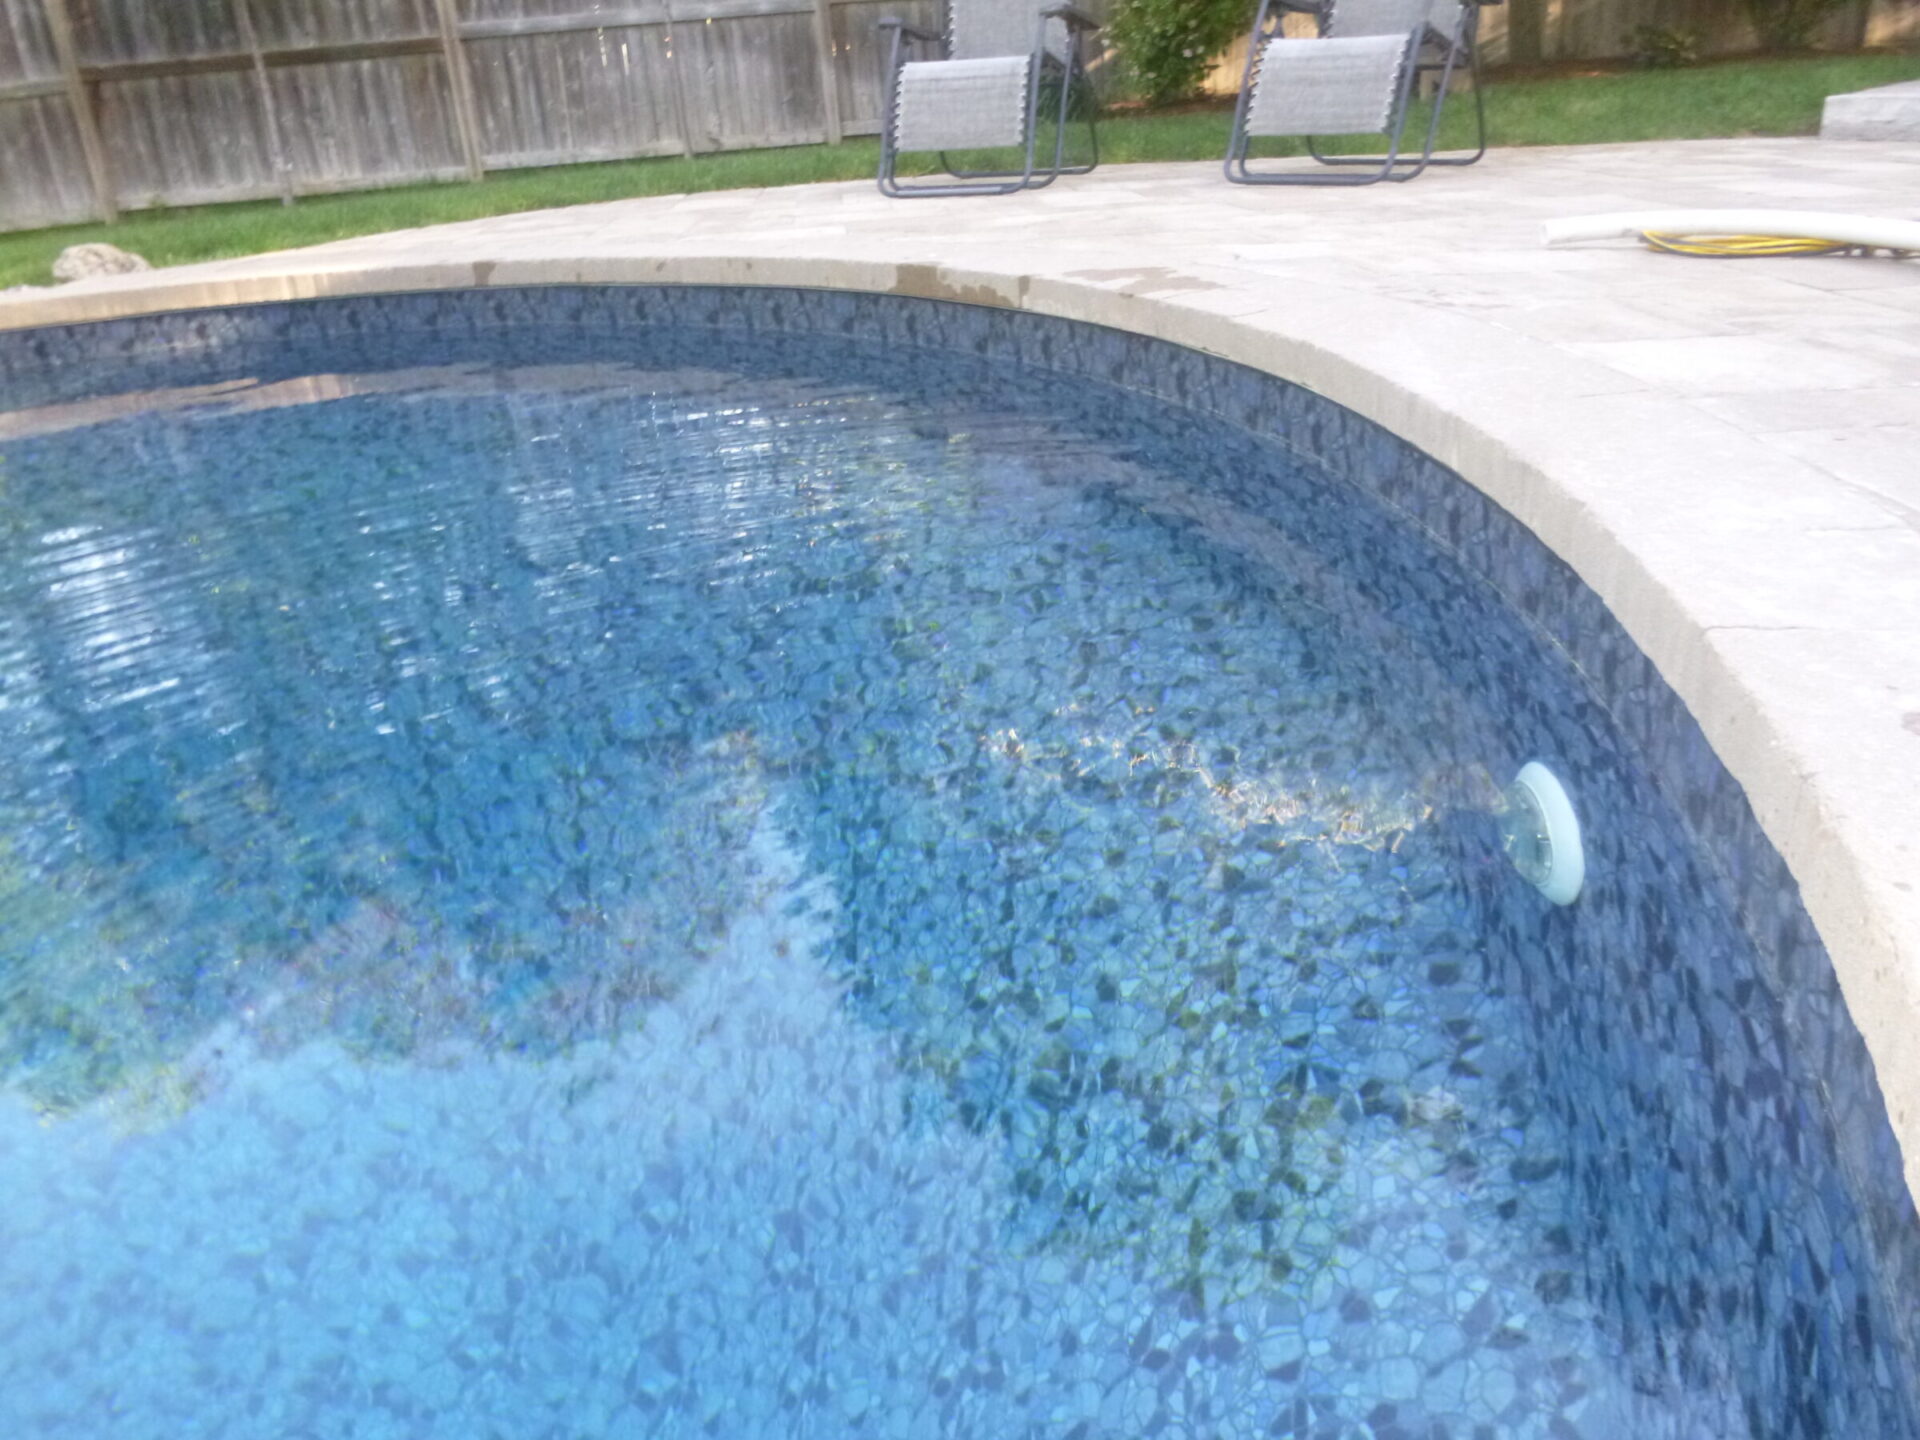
{"x":1891,"y":112}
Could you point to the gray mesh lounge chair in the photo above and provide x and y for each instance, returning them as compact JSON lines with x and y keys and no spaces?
{"x":984,"y":92}
{"x":1356,"y":78}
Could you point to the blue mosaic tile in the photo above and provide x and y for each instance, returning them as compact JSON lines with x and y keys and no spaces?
{"x":1656,"y":1095}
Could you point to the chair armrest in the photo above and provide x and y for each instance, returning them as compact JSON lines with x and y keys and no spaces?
{"x":1076,"y":19}
{"x":907,"y":32}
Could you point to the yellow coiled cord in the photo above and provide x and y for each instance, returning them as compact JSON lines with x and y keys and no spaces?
{"x":1738,"y":246}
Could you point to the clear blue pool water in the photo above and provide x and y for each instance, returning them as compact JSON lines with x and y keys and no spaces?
{"x":711,"y":890}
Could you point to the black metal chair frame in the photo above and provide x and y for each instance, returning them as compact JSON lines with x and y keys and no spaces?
{"x":1391,"y":165}
{"x":997,"y":182}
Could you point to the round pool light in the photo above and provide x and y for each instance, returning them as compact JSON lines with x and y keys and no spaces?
{"x":1541,"y":834}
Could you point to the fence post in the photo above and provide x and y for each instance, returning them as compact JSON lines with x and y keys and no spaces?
{"x":466,"y":110}
{"x":269,"y":111}
{"x":1855,"y":18}
{"x":1526,"y":31}
{"x":82,"y":105}
{"x":829,"y":70}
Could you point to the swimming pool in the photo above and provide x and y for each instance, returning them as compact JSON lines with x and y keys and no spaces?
{"x":677,"y":861}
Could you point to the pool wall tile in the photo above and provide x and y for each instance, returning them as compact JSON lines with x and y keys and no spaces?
{"x":1756,"y":1232}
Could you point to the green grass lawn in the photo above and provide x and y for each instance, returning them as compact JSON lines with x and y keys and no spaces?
{"x":1749,"y":97}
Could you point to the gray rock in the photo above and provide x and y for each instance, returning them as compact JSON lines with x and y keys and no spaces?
{"x":86,"y":262}
{"x":1891,"y":112}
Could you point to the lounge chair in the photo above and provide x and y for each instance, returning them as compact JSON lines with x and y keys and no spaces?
{"x":1358,"y":77}
{"x":984,"y":92}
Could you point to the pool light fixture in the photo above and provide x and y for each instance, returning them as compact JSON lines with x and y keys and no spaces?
{"x":1541,"y":834}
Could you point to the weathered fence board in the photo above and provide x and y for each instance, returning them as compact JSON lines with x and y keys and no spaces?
{"x":1603,"y":29}
{"x":751,"y":81}
{"x":1893,"y":22}
{"x":107,"y":104}
{"x":275,"y":132}
{"x":39,"y":142}
{"x":185,"y":140}
{"x":861,"y":53}
{"x":585,"y":95}
{"x":31,"y":89}
{"x":515,"y":27}
{"x":384,"y":120}
{"x":823,"y":63}
{"x":615,"y":12}
{"x":26,"y":44}
{"x":290,"y":24}
{"x":110,"y":30}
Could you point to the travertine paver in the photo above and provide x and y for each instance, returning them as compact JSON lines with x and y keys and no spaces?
{"x":1723,"y":450}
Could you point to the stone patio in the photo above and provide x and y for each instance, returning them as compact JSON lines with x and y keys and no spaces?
{"x":1728,"y":452}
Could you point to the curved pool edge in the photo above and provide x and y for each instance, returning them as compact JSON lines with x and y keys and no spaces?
{"x":1774,"y":647}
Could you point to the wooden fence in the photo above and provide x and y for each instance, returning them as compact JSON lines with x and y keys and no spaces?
{"x":111,"y":105}
{"x":1603,"y":29}
{"x":1572,"y":30}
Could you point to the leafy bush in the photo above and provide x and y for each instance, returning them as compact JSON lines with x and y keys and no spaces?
{"x":1660,"y":47}
{"x":1788,"y":24}
{"x":1170,"y":44}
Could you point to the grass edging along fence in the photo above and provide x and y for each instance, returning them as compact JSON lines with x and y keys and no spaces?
{"x":1749,"y":97}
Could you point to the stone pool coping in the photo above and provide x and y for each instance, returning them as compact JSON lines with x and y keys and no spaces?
{"x":1729,"y":454}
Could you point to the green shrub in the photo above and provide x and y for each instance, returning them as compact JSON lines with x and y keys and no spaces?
{"x":1660,"y":47}
{"x":1788,"y":24}
{"x":1170,"y":44}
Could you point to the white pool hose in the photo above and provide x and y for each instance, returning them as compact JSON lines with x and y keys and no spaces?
{"x":1864,"y":231}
